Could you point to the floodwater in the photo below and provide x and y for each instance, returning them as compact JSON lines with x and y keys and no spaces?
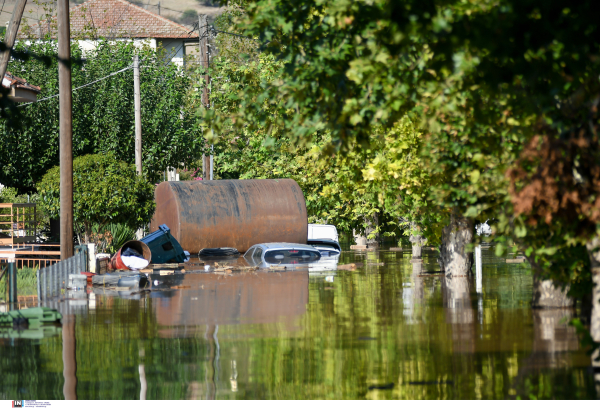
{"x":386,"y":330}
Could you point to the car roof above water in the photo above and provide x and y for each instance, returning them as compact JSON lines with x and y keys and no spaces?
{"x":283,"y":245}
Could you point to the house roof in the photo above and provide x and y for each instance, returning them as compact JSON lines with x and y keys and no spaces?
{"x":10,"y":80}
{"x":111,"y":19}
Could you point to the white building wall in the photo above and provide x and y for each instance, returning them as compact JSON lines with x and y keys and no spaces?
{"x":175,"y":47}
{"x":89,"y":45}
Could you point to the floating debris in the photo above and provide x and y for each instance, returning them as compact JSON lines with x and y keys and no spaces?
{"x":348,"y":267}
{"x":388,"y":386}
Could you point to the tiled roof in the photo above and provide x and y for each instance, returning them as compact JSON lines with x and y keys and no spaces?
{"x":11,"y":80}
{"x":111,"y":19}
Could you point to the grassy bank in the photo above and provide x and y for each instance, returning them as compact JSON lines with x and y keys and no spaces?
{"x":26,"y":283}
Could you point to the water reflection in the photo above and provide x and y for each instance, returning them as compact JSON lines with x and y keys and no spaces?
{"x":388,"y":329}
{"x":210,"y":299}
{"x":69,"y":346}
{"x":456,"y":295}
{"x":553,"y":338}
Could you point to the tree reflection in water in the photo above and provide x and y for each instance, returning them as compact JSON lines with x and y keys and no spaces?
{"x":456,"y":294}
{"x":386,"y":330}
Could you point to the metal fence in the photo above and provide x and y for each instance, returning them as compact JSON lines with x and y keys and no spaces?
{"x":52,"y":281}
{"x":30,"y":255}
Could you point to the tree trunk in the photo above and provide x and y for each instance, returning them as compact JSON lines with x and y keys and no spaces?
{"x":593,"y":248}
{"x":454,"y":258}
{"x":417,"y":250}
{"x":363,"y":239}
{"x":547,"y":295}
{"x":359,"y":239}
{"x":417,"y":240}
{"x":88,"y":232}
{"x":373,"y":223}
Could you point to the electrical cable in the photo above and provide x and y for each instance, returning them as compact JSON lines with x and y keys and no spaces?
{"x":28,"y":18}
{"x":237,"y":35}
{"x":82,"y":86}
{"x":103,"y":78}
{"x":131,"y":66}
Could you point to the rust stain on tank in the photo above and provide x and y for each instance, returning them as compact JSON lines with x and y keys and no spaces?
{"x":231,"y":213}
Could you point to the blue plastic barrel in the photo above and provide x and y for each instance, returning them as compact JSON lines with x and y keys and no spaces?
{"x":163,"y":246}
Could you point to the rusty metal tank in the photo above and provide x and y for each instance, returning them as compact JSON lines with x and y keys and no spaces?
{"x":231,"y":213}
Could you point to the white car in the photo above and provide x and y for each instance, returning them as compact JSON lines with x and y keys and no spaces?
{"x":291,"y":256}
{"x":322,"y":231}
{"x":327,"y":247}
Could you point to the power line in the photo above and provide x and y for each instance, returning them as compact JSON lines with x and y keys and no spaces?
{"x":131,"y":66}
{"x":236,"y":35}
{"x":28,"y":18}
{"x":82,"y":86}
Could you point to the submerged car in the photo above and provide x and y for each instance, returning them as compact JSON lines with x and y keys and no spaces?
{"x":281,"y":254}
{"x":322,"y":231}
{"x":327,"y":247}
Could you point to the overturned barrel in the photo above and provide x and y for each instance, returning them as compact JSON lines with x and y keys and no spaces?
{"x":231,"y":213}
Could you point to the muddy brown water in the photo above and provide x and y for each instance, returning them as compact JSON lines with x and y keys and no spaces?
{"x":390,"y":329}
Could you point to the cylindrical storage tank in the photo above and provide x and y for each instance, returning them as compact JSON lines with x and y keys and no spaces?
{"x":231,"y":213}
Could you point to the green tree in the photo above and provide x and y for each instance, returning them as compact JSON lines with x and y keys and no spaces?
{"x":103,"y":113}
{"x":483,"y":78}
{"x":105,"y":190}
{"x":382,"y":179}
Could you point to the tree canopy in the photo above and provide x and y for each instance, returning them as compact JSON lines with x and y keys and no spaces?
{"x":504,"y":92}
{"x":348,"y":190}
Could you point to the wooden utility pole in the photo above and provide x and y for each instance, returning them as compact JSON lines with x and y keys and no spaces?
{"x":66,"y":130}
{"x":138,"y":114}
{"x":204,"y":56}
{"x":11,"y":35}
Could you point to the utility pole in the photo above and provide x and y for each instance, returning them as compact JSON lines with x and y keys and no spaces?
{"x":11,"y":35}
{"x":138,"y":114}
{"x":66,"y":130}
{"x":203,"y":31}
{"x":159,"y":8}
{"x":137,"y":106}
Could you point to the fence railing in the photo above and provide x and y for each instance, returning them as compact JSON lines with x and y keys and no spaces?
{"x":53,"y":280}
{"x":31,"y":255}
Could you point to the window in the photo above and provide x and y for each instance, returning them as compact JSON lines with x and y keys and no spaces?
{"x":257,"y":254}
{"x":327,"y":247}
{"x":249,"y":252}
{"x":288,"y":256}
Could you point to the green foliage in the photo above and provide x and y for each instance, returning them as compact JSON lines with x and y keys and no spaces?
{"x":105,"y":190}
{"x":120,"y":234}
{"x":103,"y":113}
{"x":481,"y":80}
{"x":383,"y":179}
{"x":8,"y":195}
